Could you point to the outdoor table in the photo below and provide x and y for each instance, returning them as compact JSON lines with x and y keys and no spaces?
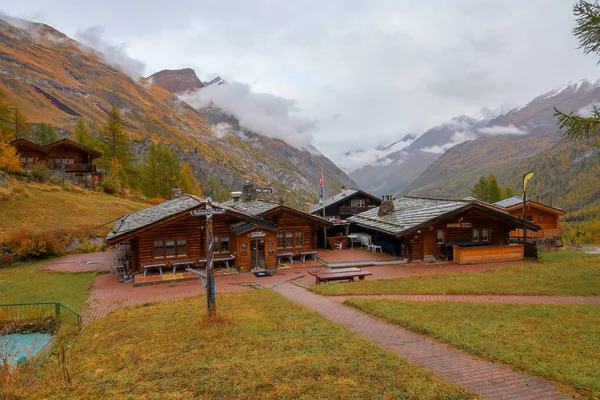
{"x":351,"y":238}
{"x":290,"y":256}
{"x":312,"y":254}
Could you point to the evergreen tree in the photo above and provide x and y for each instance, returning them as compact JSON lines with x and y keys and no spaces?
{"x":480,"y":189}
{"x":44,"y":134}
{"x":83,"y":135}
{"x":494,"y":192}
{"x":6,"y":128}
{"x":21,"y":125}
{"x":161,"y":172}
{"x":507,"y":193}
{"x":188,"y":182}
{"x":115,"y":142}
{"x":587,"y":31}
{"x":487,"y":189}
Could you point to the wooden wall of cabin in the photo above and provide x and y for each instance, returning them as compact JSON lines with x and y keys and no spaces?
{"x":288,"y":222}
{"x":31,"y":154}
{"x":79,"y":157}
{"x":545,"y":219}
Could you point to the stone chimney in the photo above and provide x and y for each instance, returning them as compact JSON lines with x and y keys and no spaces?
{"x":248,"y":191}
{"x":343,"y":188}
{"x":175,"y":192}
{"x":387,"y":205}
{"x":236,"y":196}
{"x":537,"y":198}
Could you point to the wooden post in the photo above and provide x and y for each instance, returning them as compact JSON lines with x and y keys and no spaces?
{"x":210,"y":272}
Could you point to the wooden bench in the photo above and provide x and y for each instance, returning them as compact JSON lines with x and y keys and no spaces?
{"x":339,"y":276}
{"x":224,"y":259}
{"x":304,"y":254}
{"x":157,"y":266}
{"x":181,"y":263}
{"x":289,"y":256}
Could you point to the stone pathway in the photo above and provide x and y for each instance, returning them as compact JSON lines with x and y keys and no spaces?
{"x":486,"y":379}
{"x":476,"y":298}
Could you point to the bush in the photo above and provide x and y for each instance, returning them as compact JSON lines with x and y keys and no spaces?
{"x":156,"y":200}
{"x":39,"y":173}
{"x":24,"y":245}
{"x":110,"y":184}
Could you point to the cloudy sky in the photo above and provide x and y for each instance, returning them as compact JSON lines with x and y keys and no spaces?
{"x":351,"y":73}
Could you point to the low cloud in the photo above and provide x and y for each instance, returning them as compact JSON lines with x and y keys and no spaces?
{"x":376,"y":156}
{"x":588,"y":110}
{"x":502,"y":130}
{"x":115,"y":55}
{"x":261,"y":113}
{"x":35,"y":30}
{"x":457,"y":138}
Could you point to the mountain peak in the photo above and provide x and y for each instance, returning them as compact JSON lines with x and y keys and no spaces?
{"x":215,"y":82}
{"x":177,"y":80}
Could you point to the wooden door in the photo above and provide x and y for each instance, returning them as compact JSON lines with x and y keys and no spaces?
{"x":429,"y":244}
{"x":257,"y":253}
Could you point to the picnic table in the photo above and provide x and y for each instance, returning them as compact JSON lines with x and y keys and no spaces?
{"x":304,"y":254}
{"x":339,"y":274}
{"x":289,"y":256}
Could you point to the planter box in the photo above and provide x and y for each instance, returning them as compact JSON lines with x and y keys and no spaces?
{"x":483,"y":254}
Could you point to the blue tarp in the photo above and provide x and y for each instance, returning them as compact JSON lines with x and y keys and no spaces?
{"x":16,"y":346}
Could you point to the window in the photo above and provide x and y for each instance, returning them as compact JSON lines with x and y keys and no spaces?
{"x":158,"y":249}
{"x":299,"y":242}
{"x":170,"y":248}
{"x":440,"y":236}
{"x":57,"y":160}
{"x":224,"y":244}
{"x":30,"y":159}
{"x":50,"y":160}
{"x":357,"y":202}
{"x":71,"y":160}
{"x":181,"y":247}
{"x":280,"y":242}
{"x":476,"y":235}
{"x":23,"y":159}
{"x":64,"y":160}
{"x":530,"y":218}
{"x":484,"y":235}
{"x":288,"y":240}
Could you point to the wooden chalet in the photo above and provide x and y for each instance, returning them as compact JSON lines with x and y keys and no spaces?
{"x":426,"y":229}
{"x":345,"y":204}
{"x":65,"y":156}
{"x":547,"y":217}
{"x":249,"y":234}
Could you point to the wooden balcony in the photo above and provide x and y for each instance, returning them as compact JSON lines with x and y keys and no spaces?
{"x":544,"y":233}
{"x":72,"y":168}
{"x":353,"y":210}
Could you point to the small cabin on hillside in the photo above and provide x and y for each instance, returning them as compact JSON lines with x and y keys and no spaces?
{"x":66,"y":156}
{"x":249,"y":233}
{"x":345,"y":204}
{"x":426,"y":229}
{"x":547,"y":217}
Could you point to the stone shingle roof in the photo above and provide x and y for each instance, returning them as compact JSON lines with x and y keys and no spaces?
{"x":140,"y":219}
{"x":337,"y":198}
{"x":408,"y":213}
{"x":253,"y":208}
{"x":509,"y":202}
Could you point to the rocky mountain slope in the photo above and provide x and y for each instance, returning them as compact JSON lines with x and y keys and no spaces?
{"x":394,"y":172}
{"x":567,"y":173}
{"x":57,"y":80}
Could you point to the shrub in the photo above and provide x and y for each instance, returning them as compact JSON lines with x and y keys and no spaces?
{"x":110,"y":184}
{"x":24,"y":244}
{"x":157,"y":200}
{"x":39,"y":173}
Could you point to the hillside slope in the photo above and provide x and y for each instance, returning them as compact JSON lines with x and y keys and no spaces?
{"x":57,"y":80}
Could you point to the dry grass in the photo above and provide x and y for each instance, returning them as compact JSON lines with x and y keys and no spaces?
{"x":41,"y":207}
{"x":264,"y":347}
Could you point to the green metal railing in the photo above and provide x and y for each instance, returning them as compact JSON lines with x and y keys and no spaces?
{"x":33,"y":311}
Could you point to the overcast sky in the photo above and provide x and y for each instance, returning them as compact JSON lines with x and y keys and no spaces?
{"x":361,"y":73}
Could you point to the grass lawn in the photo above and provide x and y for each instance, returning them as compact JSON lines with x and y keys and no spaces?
{"x":23,"y":283}
{"x":265,"y":347}
{"x":558,"y":273}
{"x":561,"y":343}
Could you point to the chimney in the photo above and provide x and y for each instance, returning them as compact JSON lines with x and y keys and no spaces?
{"x":343,"y":188}
{"x":175,"y":192}
{"x":537,"y":198}
{"x":248,"y":191}
{"x":236,"y":196}
{"x":387,"y":205}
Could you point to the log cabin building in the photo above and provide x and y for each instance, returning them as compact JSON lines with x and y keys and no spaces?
{"x":249,"y":234}
{"x":63,"y":156}
{"x":426,"y":229}
{"x":345,"y":204}
{"x":547,"y":217}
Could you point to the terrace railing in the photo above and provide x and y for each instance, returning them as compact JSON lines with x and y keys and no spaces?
{"x":35,"y":311}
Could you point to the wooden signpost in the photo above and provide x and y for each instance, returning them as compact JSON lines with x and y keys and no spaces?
{"x":208,"y":278}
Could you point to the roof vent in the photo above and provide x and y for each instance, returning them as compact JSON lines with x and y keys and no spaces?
{"x":175,"y":192}
{"x":236,"y":196}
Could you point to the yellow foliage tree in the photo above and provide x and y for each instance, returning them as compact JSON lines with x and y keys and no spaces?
{"x":9,"y":158}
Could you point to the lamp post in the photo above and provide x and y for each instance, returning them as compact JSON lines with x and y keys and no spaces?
{"x":526,"y":178}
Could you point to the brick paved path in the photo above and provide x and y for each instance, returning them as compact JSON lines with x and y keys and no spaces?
{"x":476,"y":298}
{"x":486,"y":379}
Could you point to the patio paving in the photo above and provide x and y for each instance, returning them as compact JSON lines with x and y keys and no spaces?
{"x":353,"y":255}
{"x":100,"y":262}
